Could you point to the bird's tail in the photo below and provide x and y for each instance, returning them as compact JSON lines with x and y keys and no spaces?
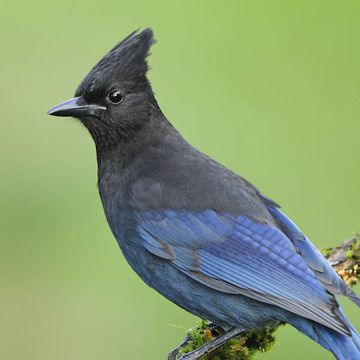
{"x":343,"y":347}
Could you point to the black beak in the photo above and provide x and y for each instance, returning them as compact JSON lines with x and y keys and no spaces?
{"x":76,"y":107}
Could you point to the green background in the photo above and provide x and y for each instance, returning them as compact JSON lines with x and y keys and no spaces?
{"x":269,"y":88}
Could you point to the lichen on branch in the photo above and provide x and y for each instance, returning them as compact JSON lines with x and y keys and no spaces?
{"x":345,"y":259}
{"x":237,"y":348}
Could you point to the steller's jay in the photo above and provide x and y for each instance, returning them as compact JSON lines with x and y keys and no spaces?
{"x":193,"y":230}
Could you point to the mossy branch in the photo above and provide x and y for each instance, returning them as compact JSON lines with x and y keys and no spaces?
{"x":346,"y":261}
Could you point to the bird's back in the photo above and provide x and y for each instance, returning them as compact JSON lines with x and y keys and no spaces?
{"x":165,"y":172}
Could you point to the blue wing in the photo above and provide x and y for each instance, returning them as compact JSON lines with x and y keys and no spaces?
{"x":313,"y":258}
{"x":239,"y":255}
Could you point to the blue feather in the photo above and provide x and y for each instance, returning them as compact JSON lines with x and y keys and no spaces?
{"x":313,"y":258}
{"x":256,"y":259}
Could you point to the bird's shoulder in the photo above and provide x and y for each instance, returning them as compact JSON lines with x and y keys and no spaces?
{"x":175,"y":175}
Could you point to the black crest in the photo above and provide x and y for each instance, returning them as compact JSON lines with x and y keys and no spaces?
{"x":126,"y":61}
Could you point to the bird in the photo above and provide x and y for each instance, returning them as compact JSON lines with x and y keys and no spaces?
{"x":195,"y":231}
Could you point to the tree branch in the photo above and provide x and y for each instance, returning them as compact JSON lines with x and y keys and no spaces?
{"x":207,"y":341}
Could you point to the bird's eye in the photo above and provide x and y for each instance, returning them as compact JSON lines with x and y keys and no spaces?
{"x":115,"y":96}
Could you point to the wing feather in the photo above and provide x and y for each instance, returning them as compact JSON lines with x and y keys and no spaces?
{"x":239,"y":255}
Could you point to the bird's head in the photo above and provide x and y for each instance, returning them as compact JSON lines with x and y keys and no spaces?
{"x":115,"y":98}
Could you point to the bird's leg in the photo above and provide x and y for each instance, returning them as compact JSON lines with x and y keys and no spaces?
{"x":215,"y":331}
{"x":212,"y":345}
{"x":209,"y":347}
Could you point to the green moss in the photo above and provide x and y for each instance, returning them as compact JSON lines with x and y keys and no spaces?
{"x":243,"y":347}
{"x":354,"y":250}
{"x":327,"y":252}
{"x":196,"y":338}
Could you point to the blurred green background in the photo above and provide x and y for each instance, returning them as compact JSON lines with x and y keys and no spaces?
{"x":269,"y":88}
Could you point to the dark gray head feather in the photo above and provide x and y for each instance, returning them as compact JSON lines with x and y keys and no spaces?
{"x":125,"y":62}
{"x":123,"y":68}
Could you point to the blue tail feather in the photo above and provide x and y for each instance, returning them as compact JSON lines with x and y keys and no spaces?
{"x":342,"y":346}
